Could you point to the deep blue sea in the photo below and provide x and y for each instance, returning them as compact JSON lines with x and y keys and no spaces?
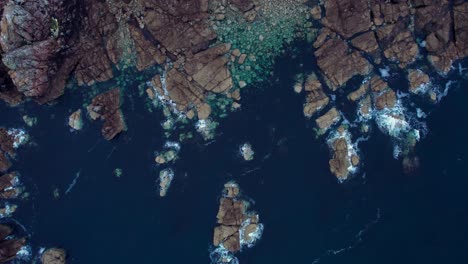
{"x":379,"y":216}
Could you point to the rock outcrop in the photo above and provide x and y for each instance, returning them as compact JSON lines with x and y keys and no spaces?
{"x":316,"y":98}
{"x":54,"y":256}
{"x":338,"y":64}
{"x":236,"y":226}
{"x":9,"y":247}
{"x":8,"y":186}
{"x":106,"y":107}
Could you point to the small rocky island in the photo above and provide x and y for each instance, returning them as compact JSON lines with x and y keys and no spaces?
{"x":237,"y":227}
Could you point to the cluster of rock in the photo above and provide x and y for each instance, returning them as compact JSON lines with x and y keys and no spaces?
{"x":237,"y":227}
{"x":356,"y":35}
{"x":106,"y":106}
{"x":10,"y":188}
{"x":9,"y":247}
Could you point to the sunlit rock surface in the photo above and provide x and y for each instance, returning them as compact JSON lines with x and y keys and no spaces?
{"x":237,"y":227}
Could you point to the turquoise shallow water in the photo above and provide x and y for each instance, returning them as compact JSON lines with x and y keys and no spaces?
{"x":381,"y":215}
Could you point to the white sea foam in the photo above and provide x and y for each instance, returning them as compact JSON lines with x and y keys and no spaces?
{"x":420,"y":113}
{"x":252,"y":237}
{"x":19,"y":135}
{"x":385,"y":72}
{"x":221,"y":255}
{"x":172,"y":145}
{"x":73,"y":183}
{"x":24,"y":253}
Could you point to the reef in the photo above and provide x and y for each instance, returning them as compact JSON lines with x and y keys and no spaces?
{"x":237,"y":227}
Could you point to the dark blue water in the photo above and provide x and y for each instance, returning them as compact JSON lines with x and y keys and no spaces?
{"x":380,"y":216}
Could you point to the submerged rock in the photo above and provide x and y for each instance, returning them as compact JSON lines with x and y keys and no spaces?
{"x":106,"y":107}
{"x":54,"y":256}
{"x":247,"y":151}
{"x":165,"y":179}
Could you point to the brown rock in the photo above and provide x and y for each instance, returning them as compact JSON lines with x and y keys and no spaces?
{"x":325,"y":121}
{"x":398,"y":43}
{"x":31,"y":49}
{"x":9,"y":248}
{"x":338,"y":64}
{"x":384,"y":12}
{"x":417,"y":78}
{"x":7,"y":186}
{"x":316,"y":99}
{"x":209,"y":69}
{"x":347,"y":17}
{"x":367,"y":42}
{"x":359,"y":93}
{"x":377,"y":84}
{"x":147,"y":53}
{"x":243,"y":5}
{"x":231,"y":218}
{"x":385,"y":100}
{"x":316,"y":12}
{"x":340,"y":162}
{"x":54,"y":256}
{"x":203,"y":111}
{"x":106,"y":106}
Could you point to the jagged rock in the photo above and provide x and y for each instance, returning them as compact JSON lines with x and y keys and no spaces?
{"x":180,"y":26}
{"x":54,"y":256}
{"x":325,"y":121}
{"x":75,"y":120}
{"x":340,"y":162}
{"x":106,"y":106}
{"x":359,"y":93}
{"x":181,"y":91}
{"x":209,"y":69}
{"x":147,"y":53}
{"x":417,"y":79}
{"x":377,"y":84}
{"x":243,"y":5}
{"x":7,"y":186}
{"x":347,"y":17}
{"x":9,"y":247}
{"x":367,"y":42}
{"x":316,"y":99}
{"x":338,"y":64}
{"x":234,"y":220}
{"x":32,"y":43}
{"x":385,"y":100}
{"x":8,"y":91}
{"x":384,"y":12}
{"x":398,"y":43}
{"x":316,"y":12}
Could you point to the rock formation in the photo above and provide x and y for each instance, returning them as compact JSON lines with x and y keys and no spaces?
{"x":106,"y":107}
{"x":54,"y":256}
{"x":9,"y":247}
{"x":236,"y":226}
{"x":75,"y":121}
